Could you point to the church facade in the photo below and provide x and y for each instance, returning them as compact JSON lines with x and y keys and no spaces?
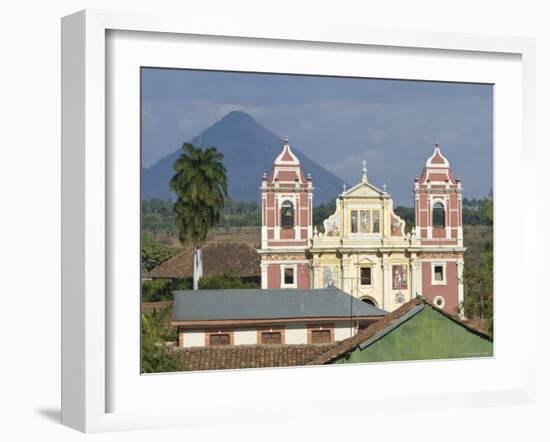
{"x":363,"y":248}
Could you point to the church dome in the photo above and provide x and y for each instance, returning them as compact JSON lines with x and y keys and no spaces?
{"x":437,"y":159}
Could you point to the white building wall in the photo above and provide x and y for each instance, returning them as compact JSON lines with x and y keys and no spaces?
{"x":296,"y":334}
{"x":342,"y":331}
{"x":193,"y":339}
{"x":245,"y":337}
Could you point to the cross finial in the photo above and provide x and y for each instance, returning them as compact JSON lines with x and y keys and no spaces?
{"x":364,"y":163}
{"x":384,"y":186}
{"x":344,"y":186}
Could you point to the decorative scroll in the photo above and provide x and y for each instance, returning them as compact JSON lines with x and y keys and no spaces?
{"x":397,"y":226}
{"x":332,"y":225}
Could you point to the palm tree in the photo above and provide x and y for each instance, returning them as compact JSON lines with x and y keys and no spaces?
{"x":200,"y":184}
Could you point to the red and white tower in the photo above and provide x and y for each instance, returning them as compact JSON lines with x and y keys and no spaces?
{"x":287,"y":202}
{"x":438,"y":214}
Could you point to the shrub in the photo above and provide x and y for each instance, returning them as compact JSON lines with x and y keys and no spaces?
{"x":225,"y":281}
{"x":155,"y":332}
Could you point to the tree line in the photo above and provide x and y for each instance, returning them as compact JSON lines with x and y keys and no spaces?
{"x":158,"y":215}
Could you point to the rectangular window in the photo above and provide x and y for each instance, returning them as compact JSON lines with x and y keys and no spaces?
{"x":321,"y":337}
{"x":438,"y":273}
{"x":271,"y":338}
{"x":376,"y":221}
{"x":220,"y":339}
{"x":354,"y":221}
{"x":365,"y":276}
{"x":289,"y":276}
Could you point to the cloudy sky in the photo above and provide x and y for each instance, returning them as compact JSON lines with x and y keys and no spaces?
{"x":337,"y":122}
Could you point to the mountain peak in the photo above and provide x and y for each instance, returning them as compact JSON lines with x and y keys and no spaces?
{"x":237,"y":116}
{"x":249,"y":150}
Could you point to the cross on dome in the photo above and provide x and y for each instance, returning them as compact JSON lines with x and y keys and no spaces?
{"x":364,"y":163}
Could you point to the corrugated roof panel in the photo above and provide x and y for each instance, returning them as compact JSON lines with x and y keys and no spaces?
{"x":200,"y":305}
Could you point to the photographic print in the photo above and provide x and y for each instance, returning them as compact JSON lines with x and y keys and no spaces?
{"x":292,"y":220}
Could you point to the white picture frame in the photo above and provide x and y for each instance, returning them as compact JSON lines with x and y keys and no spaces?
{"x":88,"y":167}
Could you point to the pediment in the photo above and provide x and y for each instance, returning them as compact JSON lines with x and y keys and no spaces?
{"x":363,"y":190}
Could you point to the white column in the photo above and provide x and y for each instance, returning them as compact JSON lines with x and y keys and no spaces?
{"x":447,"y":218}
{"x":317,"y":277}
{"x":264,"y":220}
{"x":346,"y":282}
{"x":264,"y":267}
{"x":276,"y":215}
{"x":460,"y":265}
{"x":414,"y":281}
{"x":419,"y":287}
{"x":386,"y":281}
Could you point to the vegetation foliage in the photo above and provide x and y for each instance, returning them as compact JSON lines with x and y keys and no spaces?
{"x":155,"y":333}
{"x":163,"y":289}
{"x":154,"y":253}
{"x":478,"y":270}
{"x":226,"y":281}
{"x":157,"y":290}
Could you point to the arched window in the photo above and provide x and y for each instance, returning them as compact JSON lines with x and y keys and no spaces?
{"x":287,"y":215}
{"x":438,"y":216}
{"x":370,"y":301}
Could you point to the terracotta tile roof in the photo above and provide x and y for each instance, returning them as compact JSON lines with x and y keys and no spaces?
{"x":238,"y":258}
{"x":249,"y":356}
{"x":380,"y":326}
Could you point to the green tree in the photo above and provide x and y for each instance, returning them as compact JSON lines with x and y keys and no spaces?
{"x":154,"y":254}
{"x":200,"y":184}
{"x":163,"y":289}
{"x":322,"y":212}
{"x":478,"y":273}
{"x":155,"y":332}
{"x":225,"y":281}
{"x":406,"y":214}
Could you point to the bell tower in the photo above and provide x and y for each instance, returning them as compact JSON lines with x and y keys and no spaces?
{"x":438,"y":215}
{"x":287,"y":203}
{"x":438,"y":203}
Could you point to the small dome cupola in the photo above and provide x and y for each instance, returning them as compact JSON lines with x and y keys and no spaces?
{"x":437,"y":160}
{"x":287,"y":157}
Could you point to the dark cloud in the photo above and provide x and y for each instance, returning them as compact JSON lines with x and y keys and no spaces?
{"x":335,"y":121}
